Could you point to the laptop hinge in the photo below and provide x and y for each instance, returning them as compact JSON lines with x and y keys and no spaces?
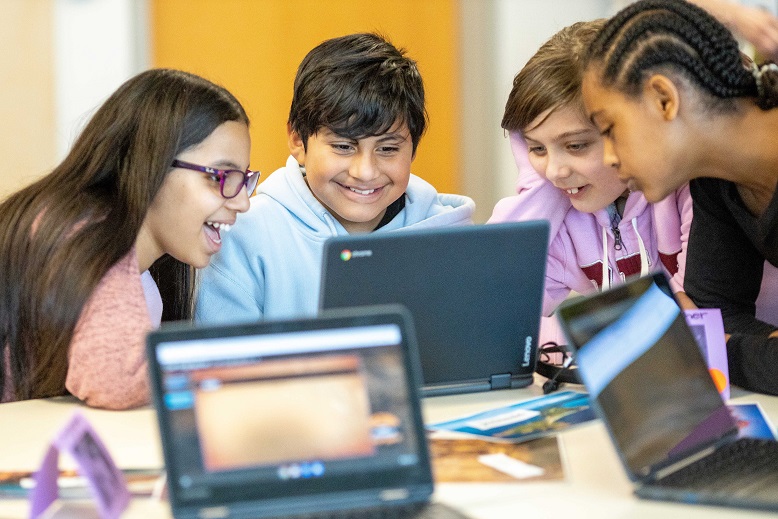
{"x":501,"y":381}
{"x":680,"y":464}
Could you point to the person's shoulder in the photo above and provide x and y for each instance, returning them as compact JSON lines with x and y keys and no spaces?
{"x":709,"y":187}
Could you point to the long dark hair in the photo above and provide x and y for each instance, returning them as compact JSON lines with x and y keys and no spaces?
{"x":657,"y":35}
{"x":60,"y":235}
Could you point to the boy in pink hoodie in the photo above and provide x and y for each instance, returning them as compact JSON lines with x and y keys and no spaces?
{"x":601,"y":233}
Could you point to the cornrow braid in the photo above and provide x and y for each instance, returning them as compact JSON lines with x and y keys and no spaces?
{"x":652,"y":34}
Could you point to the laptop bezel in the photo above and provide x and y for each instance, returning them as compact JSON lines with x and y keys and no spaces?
{"x":418,"y":482}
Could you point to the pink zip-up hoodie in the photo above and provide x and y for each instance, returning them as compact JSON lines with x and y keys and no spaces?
{"x":650,"y":237}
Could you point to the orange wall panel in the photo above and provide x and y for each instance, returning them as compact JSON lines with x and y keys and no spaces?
{"x":28,"y":144}
{"x":253,"y":48}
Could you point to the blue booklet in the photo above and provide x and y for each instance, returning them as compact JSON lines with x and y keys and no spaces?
{"x":751,"y":421}
{"x":521,"y":421}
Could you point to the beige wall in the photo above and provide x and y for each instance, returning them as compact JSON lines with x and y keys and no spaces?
{"x":27,"y":111}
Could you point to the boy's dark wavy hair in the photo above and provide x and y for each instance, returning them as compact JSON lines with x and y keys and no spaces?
{"x":357,"y":86}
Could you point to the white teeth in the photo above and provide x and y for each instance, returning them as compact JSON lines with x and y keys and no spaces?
{"x":573,"y":190}
{"x":360,"y":192}
{"x":221,"y":226}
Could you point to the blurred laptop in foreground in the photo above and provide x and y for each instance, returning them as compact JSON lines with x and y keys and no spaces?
{"x":289,"y":418}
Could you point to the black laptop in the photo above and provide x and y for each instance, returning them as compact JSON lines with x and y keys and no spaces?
{"x":290,"y":418}
{"x":475,"y":293}
{"x":650,"y":384}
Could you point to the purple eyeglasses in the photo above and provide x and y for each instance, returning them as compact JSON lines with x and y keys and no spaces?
{"x":230,"y":180}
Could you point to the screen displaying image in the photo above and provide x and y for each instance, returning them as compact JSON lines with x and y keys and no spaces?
{"x":304,"y":406}
{"x":283,"y":411}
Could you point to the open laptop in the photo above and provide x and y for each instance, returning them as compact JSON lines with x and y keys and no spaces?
{"x":288,"y":418}
{"x":475,"y":294}
{"x":649,"y":382}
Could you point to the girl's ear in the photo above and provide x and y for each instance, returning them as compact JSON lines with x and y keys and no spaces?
{"x":663,"y":95}
{"x":296,"y":146}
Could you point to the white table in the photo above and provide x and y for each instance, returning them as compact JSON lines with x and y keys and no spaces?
{"x":595,"y":483}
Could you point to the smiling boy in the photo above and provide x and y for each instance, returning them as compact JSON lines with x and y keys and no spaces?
{"x":355,"y":122}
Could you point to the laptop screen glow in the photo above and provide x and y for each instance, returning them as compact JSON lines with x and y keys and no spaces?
{"x":286,"y":413}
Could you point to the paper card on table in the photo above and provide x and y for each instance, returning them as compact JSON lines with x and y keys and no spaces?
{"x":707,"y":326}
{"x":521,"y":421}
{"x":473,"y":460}
{"x":511,"y":466}
{"x":752,"y":422}
{"x":93,"y":462}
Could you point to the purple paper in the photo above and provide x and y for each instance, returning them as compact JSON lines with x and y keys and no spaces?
{"x":93,"y":463}
{"x":707,"y":327}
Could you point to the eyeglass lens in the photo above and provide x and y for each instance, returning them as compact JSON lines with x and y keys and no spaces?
{"x":234,"y":180}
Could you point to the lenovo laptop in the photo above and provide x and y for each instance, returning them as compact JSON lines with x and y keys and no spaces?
{"x":291,"y":418}
{"x":475,"y":294}
{"x":649,"y":382}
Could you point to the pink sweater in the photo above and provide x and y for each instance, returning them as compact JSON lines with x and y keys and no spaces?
{"x":107,"y":355}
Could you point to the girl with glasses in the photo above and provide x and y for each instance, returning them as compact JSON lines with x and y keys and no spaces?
{"x":98,"y":252}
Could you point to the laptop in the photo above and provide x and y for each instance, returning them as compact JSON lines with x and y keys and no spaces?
{"x":649,"y":382}
{"x":289,"y":418}
{"x":475,"y":294}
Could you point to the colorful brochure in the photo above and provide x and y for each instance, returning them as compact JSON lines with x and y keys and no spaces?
{"x":752,"y":421}
{"x":521,"y":421}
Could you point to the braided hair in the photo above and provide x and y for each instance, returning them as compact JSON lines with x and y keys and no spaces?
{"x":677,"y":36}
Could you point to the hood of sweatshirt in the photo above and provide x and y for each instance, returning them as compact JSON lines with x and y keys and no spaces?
{"x":424,"y":206}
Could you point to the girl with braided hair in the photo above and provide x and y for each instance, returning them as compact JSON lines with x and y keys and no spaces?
{"x":676,"y":102}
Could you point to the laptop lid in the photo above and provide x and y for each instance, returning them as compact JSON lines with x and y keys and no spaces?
{"x":475,"y":294}
{"x":276,"y":418}
{"x":645,"y":375}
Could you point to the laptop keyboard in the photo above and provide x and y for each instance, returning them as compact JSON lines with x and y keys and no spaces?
{"x":747,"y":466}
{"x":410,"y":511}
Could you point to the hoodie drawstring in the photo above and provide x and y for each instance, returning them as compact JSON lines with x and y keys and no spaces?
{"x":606,"y":282}
{"x":643,"y":253}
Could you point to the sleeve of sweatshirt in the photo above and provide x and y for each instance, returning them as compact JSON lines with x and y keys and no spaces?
{"x":107,"y":358}
{"x":557,"y":286}
{"x":685,"y":203}
{"x":753,"y":362}
{"x":231,"y":287}
{"x":535,"y":198}
{"x":724,"y":270}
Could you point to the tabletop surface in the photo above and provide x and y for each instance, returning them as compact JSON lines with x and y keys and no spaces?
{"x":594,"y":484}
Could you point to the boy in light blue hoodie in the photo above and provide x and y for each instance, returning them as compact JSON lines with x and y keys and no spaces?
{"x":356,"y":119}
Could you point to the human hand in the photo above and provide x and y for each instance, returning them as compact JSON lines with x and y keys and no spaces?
{"x":685,"y":301}
{"x":759,"y":27}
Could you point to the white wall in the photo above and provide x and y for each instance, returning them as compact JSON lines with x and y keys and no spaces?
{"x":499,"y":36}
{"x":98,"y":44}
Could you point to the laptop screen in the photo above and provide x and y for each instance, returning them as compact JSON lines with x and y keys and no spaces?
{"x":278,"y":411}
{"x":470,"y":289}
{"x":642,"y":367}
